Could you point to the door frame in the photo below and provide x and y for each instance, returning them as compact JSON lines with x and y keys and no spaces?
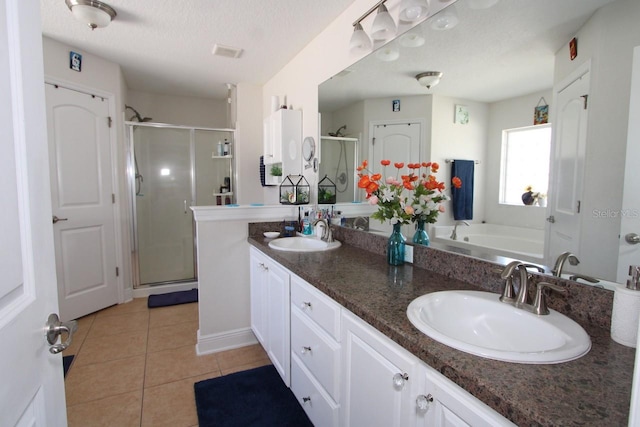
{"x":115,"y":180}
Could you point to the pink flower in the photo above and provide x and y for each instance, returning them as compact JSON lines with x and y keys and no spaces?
{"x":441,"y":208}
{"x":408,"y":210}
{"x":373,"y":200}
{"x":390,"y":180}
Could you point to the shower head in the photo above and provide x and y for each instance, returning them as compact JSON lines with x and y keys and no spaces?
{"x":339,"y":133}
{"x":137,"y":115}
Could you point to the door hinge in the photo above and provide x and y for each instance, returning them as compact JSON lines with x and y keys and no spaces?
{"x":586,"y":100}
{"x":117,"y":271}
{"x":113,"y":198}
{"x":373,"y":141}
{"x":578,"y":206}
{"x":109,"y":121}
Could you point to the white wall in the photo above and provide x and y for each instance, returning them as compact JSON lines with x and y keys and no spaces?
{"x":607,"y":40}
{"x":451,"y":140}
{"x":178,"y":110}
{"x":509,"y":114}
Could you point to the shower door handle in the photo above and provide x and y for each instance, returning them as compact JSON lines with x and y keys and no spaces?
{"x":185,"y":206}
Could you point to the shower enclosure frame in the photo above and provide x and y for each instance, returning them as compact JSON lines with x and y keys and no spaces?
{"x":132,"y":188}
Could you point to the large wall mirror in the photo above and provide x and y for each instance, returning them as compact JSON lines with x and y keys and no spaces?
{"x":499,"y":62}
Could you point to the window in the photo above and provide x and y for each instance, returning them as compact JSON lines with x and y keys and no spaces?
{"x":524,"y":163}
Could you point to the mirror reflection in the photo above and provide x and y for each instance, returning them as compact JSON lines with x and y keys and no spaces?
{"x":499,"y":65}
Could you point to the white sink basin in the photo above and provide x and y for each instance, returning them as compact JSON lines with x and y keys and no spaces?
{"x":478,"y":323}
{"x":302,"y":244}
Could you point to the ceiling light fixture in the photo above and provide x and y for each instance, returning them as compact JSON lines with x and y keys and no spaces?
{"x":92,"y":12}
{"x":429,"y":79}
{"x":413,"y":10}
{"x":360,"y":42}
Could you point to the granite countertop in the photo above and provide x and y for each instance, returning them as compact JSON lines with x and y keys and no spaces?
{"x":594,"y":390}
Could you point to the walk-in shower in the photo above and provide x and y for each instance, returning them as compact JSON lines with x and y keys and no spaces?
{"x":172,"y":168}
{"x":338,"y":162}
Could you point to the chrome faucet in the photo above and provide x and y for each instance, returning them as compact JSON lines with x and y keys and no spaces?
{"x":565,"y":256}
{"x":327,"y":234}
{"x":454,"y":233}
{"x":508,"y":295}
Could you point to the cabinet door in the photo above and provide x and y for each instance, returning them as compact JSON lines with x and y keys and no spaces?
{"x":378,"y":377}
{"x":258,"y":276}
{"x":272,"y":150}
{"x":278,"y":319}
{"x":443,"y":403}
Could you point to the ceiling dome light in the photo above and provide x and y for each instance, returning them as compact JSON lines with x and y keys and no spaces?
{"x":445,"y":19}
{"x":360,"y":42}
{"x":388,"y":52}
{"x":383,"y":28}
{"x":413,"y":10}
{"x":91,"y":12}
{"x":429,"y":79}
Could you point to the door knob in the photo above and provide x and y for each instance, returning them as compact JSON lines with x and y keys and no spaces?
{"x":551,"y":219}
{"x":632,"y":238}
{"x":56,"y":219}
{"x":54,"y":328}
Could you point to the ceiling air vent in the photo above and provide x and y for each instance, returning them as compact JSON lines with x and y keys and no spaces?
{"x":226,"y":51}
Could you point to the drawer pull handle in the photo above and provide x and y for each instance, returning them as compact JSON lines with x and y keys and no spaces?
{"x":305,"y":350}
{"x":306,"y":399}
{"x":264,"y":267}
{"x":305,"y":305}
{"x":424,"y":402}
{"x":400,"y":379}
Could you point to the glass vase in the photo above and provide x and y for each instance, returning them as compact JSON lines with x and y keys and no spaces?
{"x":421,"y":237}
{"x":395,"y":246}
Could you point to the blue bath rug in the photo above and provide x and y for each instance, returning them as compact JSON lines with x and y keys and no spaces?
{"x":66,"y":363}
{"x":173,"y":298}
{"x":256,"y":398}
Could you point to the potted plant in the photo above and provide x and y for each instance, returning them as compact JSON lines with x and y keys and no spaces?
{"x":276,"y":170}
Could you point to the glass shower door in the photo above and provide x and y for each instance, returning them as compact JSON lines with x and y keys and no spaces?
{"x":163,"y":195}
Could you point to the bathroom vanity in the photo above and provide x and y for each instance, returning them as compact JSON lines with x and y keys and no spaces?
{"x":335,"y":326}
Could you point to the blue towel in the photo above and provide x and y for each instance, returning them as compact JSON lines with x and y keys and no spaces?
{"x":463,"y":197}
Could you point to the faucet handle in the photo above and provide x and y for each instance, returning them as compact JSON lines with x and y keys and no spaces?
{"x":540,"y":303}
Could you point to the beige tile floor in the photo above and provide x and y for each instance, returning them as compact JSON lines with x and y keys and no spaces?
{"x":136,"y":366}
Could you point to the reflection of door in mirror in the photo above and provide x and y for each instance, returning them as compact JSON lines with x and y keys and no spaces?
{"x":568,"y":167}
{"x":398,"y":142}
{"x":338,"y":162}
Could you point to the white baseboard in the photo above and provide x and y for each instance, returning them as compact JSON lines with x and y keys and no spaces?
{"x":145,"y":291}
{"x":228,"y":340}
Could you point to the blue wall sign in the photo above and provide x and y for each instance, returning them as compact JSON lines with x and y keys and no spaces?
{"x":75,"y":61}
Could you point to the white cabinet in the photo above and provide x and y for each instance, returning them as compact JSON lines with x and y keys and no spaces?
{"x":283,"y":140}
{"x":270,"y":311}
{"x":378,"y":377}
{"x":315,"y":352}
{"x":440,"y":402}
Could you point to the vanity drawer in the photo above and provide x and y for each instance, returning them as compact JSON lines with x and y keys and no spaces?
{"x":317,"y":351}
{"x":320,"y":408}
{"x":316,"y":306}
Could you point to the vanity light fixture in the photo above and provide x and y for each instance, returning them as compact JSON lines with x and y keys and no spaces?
{"x":388,"y":52}
{"x":94,"y":13}
{"x":413,"y":10}
{"x":360,"y":42}
{"x":383,"y":27}
{"x":429,"y":79}
{"x":412,"y":38}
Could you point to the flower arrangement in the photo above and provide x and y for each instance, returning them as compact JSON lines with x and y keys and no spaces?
{"x":402,"y":199}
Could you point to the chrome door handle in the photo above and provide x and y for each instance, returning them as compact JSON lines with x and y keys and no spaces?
{"x":632,"y":238}
{"x":54,"y":328}
{"x":551,"y":219}
{"x":56,"y":219}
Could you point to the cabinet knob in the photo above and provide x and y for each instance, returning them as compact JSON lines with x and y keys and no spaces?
{"x":400,"y":379}
{"x":424,"y":402}
{"x":306,"y":399}
{"x":305,"y":350}
{"x":305,"y":305}
{"x":264,"y":267}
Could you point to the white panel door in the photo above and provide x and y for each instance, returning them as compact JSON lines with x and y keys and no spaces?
{"x":32,"y":387}
{"x":398,"y":142}
{"x":629,"y":254}
{"x":568,"y":169}
{"x":81,"y":195}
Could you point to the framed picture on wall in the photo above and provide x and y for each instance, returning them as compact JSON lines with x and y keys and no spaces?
{"x":461,"y":115}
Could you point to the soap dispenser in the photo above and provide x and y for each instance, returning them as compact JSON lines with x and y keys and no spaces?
{"x":626,"y":310}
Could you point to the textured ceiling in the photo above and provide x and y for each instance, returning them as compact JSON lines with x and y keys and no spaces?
{"x":164,"y":46}
{"x":493,"y":54}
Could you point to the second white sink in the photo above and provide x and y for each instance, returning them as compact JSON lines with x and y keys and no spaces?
{"x":302,"y":244}
{"x":478,"y":323}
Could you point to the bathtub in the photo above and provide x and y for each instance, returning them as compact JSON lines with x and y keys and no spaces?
{"x":520,"y":243}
